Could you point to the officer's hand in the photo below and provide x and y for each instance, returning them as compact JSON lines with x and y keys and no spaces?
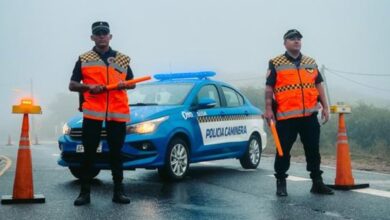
{"x":122,"y":85}
{"x":269,"y":115}
{"x":96,"y":89}
{"x":325,"y":115}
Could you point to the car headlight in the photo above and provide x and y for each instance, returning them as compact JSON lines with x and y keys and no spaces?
{"x":145,"y":127}
{"x":66,"y":129}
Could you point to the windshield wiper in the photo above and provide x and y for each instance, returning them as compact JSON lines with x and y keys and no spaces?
{"x":142,"y":104}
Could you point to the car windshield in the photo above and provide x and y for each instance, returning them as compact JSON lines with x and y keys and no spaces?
{"x":159,"y":94}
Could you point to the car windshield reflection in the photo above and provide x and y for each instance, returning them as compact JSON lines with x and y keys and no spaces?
{"x":159,"y":94}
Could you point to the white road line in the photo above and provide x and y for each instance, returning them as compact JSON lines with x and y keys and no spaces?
{"x":369,"y":191}
{"x":8,"y":163}
{"x":374,"y":192}
{"x":294,"y":178}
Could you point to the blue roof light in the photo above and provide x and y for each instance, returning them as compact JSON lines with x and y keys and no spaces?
{"x":199,"y":75}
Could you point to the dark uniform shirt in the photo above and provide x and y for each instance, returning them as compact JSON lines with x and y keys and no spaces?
{"x":271,"y":78}
{"x":78,"y":76}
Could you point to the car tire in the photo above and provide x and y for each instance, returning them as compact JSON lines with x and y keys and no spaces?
{"x":176,"y":161}
{"x":76,"y":172}
{"x":252,"y":156}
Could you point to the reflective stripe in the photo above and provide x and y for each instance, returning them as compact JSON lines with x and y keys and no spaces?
{"x":118,"y":115}
{"x":297,"y":112}
{"x":117,"y":67}
{"x":24,"y":139}
{"x":293,"y":67}
{"x":24,"y":147}
{"x":342,"y":142}
{"x":311,"y":110}
{"x":93,"y":63}
{"x":94,"y":114}
{"x":285,"y":67}
{"x":305,"y":66}
{"x":341,"y":134}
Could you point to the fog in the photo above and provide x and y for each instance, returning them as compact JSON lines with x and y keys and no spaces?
{"x":41,"y":40}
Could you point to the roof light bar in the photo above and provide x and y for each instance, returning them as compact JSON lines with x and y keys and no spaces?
{"x":187,"y":75}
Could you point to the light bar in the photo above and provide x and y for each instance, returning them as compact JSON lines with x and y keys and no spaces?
{"x":188,"y":75}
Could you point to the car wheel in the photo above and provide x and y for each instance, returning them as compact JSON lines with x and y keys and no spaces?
{"x":176,"y":161}
{"x":251,"y":158}
{"x":76,"y":172}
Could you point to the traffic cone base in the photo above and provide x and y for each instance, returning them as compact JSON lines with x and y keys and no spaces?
{"x":37,"y":198}
{"x":349,"y":187}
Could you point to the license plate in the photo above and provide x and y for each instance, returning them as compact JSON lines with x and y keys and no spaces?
{"x":80,"y":148}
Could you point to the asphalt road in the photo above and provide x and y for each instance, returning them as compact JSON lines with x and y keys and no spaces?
{"x":213,"y":190}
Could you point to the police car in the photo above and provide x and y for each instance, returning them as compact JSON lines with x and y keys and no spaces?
{"x":180,"y":118}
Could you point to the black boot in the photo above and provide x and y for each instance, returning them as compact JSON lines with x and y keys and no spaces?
{"x":119,"y":195}
{"x":320,"y":188}
{"x":281,"y":189}
{"x":84,"y":197}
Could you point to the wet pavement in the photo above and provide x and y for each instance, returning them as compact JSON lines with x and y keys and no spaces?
{"x":212,"y":190}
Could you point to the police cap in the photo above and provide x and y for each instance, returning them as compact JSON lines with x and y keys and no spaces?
{"x":100,"y":27}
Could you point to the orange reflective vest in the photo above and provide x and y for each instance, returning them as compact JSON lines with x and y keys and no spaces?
{"x":109,"y":105}
{"x":295,"y":91}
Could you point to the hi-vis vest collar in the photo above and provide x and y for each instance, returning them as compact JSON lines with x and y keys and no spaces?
{"x":295,"y":92}
{"x":92,"y":58}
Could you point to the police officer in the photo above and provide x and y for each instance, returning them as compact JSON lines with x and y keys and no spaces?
{"x":95,"y":69}
{"x":293,"y":89}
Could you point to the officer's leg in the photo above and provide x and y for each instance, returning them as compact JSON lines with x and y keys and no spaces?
{"x":90,"y":139}
{"x":309,"y":131}
{"x":310,"y":137}
{"x":287,"y":135}
{"x":116,"y":132}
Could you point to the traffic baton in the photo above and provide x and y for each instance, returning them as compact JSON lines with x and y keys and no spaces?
{"x":128,"y":82}
{"x":276,"y":138}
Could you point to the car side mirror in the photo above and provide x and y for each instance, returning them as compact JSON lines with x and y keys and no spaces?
{"x":206,"y":103}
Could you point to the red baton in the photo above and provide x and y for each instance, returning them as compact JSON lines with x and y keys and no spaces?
{"x":276,"y":138}
{"x":128,"y":82}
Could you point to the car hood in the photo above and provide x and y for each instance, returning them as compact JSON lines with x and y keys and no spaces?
{"x":137,"y":114}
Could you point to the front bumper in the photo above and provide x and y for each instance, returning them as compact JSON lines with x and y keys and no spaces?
{"x":139,"y":151}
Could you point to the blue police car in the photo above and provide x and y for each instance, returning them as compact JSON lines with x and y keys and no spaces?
{"x":180,"y":118}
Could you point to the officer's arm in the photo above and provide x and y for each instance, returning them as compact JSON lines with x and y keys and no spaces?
{"x":78,"y":87}
{"x":323,"y":101}
{"x":321,"y":91}
{"x":269,"y":94}
{"x":130,"y":76}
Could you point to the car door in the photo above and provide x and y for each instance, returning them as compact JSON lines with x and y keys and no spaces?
{"x":236,"y":116}
{"x":207,"y":120}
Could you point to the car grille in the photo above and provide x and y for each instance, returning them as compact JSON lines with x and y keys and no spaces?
{"x":76,"y":133}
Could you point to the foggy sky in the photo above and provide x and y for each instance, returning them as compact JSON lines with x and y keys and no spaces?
{"x":41,"y":40}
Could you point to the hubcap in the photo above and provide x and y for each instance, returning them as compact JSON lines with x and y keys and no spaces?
{"x":254,"y":151}
{"x":178,"y":159}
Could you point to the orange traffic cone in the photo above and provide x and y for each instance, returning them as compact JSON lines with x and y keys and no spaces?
{"x":344,"y":179}
{"x":23,"y":184}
